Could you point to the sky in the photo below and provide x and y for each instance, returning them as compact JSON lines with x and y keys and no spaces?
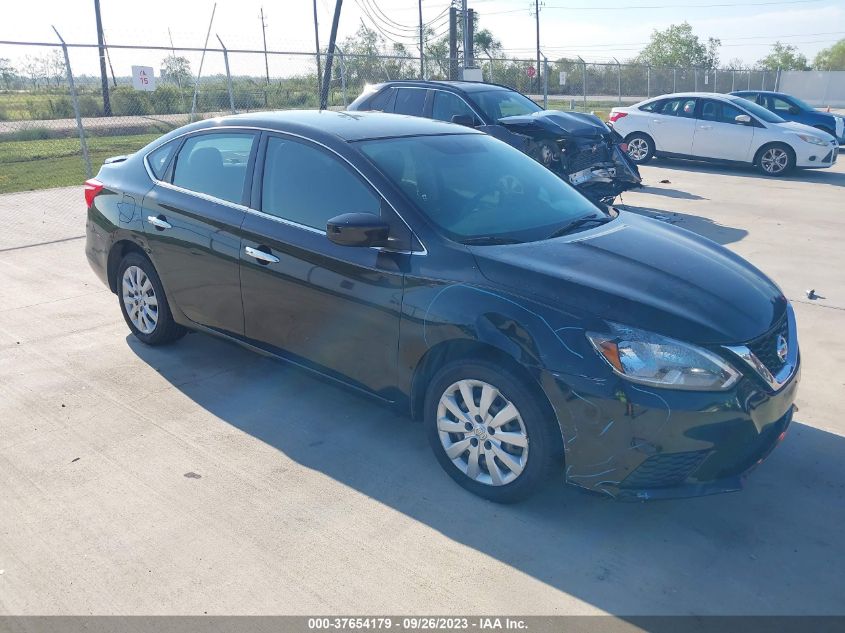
{"x":595,"y":30}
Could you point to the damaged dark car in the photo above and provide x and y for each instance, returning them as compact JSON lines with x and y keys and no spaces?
{"x":576,"y":146}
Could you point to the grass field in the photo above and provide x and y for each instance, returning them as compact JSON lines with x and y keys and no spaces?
{"x":41,"y":164}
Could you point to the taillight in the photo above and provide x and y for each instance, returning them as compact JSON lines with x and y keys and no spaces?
{"x":92,"y":188}
{"x":615,"y":116}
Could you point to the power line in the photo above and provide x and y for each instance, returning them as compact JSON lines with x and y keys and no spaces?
{"x":732,"y":5}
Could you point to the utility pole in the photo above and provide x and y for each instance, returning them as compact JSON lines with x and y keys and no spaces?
{"x":104,"y":80}
{"x":422,"y":54}
{"x":327,"y":77}
{"x":453,"y":43}
{"x":317,"y":44}
{"x":537,"y":18}
{"x":465,"y":20}
{"x":264,"y":36}
{"x":469,"y":54}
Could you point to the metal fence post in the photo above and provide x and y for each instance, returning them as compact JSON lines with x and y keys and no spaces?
{"x":695,"y":82}
{"x":342,"y":74}
{"x":648,"y":81}
{"x":749,"y":80}
{"x":674,"y":80}
{"x":86,"y":158}
{"x":584,"y":82}
{"x":714,"y":79}
{"x":545,"y":82}
{"x":733,"y":79}
{"x":763,"y":81}
{"x":228,"y":74}
{"x":618,"y":79}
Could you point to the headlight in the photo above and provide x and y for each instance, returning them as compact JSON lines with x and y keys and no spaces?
{"x":651,"y":359}
{"x":809,"y":138}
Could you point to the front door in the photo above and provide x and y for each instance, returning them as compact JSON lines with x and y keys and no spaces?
{"x":719,"y":135}
{"x":336,"y":307}
{"x":192,"y":222}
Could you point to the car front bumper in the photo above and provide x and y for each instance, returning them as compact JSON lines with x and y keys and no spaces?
{"x":635,"y":442}
{"x":811,"y":156}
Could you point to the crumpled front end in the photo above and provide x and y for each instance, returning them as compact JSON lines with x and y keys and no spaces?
{"x":601,"y":171}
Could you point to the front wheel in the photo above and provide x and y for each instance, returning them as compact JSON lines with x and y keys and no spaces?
{"x":640,"y":148}
{"x":489,"y":432}
{"x":776,"y":160}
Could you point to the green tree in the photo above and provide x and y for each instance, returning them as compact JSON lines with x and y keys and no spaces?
{"x":679,"y":47}
{"x":784,"y":57}
{"x":831,"y":58}
{"x":485,"y":42}
{"x":177,"y":69}
{"x":7,"y":72}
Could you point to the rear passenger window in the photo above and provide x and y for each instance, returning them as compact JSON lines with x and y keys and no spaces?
{"x":383,"y":101}
{"x":158,"y":159}
{"x":410,"y":101}
{"x":289,"y":190}
{"x":215,"y":164}
{"x":683,"y":107}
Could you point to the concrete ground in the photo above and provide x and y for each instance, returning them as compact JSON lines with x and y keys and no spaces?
{"x":202,"y":478}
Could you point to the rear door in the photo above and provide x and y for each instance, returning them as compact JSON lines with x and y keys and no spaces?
{"x":192,"y":220}
{"x":328,"y":305}
{"x":673,"y":126}
{"x":719,"y":135}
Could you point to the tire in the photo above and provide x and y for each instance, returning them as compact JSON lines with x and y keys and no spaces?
{"x":775,"y":160}
{"x":517,"y":471}
{"x":641,"y":145}
{"x":143,"y":302}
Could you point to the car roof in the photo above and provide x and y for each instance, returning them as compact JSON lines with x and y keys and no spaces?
{"x":709,"y":95}
{"x":342,"y":125}
{"x":465,"y":86}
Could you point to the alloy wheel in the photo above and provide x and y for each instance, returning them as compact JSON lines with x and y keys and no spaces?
{"x":774,"y":160}
{"x":637,"y":148}
{"x":139,"y":299}
{"x":482,"y":432}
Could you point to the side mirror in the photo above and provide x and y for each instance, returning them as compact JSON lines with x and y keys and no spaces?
{"x":464,"y":119}
{"x":357,"y":229}
{"x":744,"y":119}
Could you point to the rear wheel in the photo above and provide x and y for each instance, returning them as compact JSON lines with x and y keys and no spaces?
{"x":143,"y":303}
{"x":488,"y":431}
{"x":640,"y":147}
{"x":775,"y":160}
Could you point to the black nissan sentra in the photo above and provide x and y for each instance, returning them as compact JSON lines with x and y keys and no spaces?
{"x":443,"y":271}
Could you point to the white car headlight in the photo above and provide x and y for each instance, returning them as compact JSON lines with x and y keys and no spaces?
{"x":650,"y":359}
{"x":809,"y":138}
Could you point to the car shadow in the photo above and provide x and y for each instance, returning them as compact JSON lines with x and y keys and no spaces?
{"x":825,"y":176}
{"x":705,"y":227}
{"x":670,"y":193}
{"x":757,"y":551}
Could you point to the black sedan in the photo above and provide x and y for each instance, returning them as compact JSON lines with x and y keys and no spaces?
{"x":577,"y":146}
{"x":443,"y":271}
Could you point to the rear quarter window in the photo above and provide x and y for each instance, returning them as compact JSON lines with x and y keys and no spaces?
{"x":383,"y":101}
{"x":159,"y":159}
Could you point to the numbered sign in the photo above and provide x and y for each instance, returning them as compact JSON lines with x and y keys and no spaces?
{"x":143,"y":78}
{"x":531,"y":71}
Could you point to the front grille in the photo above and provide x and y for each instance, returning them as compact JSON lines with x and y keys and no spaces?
{"x":587,"y":158}
{"x":765,"y":348}
{"x":664,"y":470}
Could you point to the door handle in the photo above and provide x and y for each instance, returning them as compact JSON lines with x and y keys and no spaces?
{"x":261,"y":256}
{"x":705,"y":127}
{"x":159,"y":222}
{"x":657,"y":121}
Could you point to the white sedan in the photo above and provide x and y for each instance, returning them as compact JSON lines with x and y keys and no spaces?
{"x":723,"y":128}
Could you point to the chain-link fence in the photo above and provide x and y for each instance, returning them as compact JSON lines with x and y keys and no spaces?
{"x":56,"y":128}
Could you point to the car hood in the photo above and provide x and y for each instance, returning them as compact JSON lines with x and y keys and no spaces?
{"x":643,"y":273}
{"x":557,"y":122}
{"x":794,"y":126}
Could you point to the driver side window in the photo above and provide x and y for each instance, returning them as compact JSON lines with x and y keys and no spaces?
{"x":289,"y":191}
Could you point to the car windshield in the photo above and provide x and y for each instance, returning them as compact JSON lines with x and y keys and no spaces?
{"x":497,"y":104}
{"x":757,"y":110}
{"x":475,"y":188}
{"x":801,"y":104}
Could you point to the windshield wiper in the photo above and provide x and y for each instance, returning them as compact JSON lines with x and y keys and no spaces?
{"x":575,"y":224}
{"x":490,"y":240}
